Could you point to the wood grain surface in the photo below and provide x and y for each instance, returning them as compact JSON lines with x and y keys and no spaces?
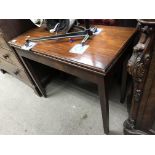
{"x":103,"y":50}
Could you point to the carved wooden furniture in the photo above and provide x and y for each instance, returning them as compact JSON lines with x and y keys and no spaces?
{"x":94,"y":65}
{"x":141,"y":67}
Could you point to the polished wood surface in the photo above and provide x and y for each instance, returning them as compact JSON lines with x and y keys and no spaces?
{"x":103,"y":49}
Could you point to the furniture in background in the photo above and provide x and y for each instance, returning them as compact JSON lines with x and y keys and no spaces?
{"x":95,"y":64}
{"x":126,"y":22}
{"x":9,"y":60}
{"x":141,"y":67}
{"x":115,"y":22}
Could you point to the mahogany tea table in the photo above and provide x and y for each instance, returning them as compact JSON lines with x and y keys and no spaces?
{"x":94,"y":65}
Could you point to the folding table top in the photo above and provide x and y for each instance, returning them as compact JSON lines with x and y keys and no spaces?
{"x":103,"y":49}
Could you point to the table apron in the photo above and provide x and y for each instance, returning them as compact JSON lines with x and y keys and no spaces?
{"x":82,"y":73}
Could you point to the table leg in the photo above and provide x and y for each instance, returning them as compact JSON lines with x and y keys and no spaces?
{"x":124,"y":81}
{"x":34,"y":77}
{"x":37,"y":92}
{"x":103,"y":94}
{"x":3,"y":71}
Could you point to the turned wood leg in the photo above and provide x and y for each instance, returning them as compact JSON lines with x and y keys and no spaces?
{"x":103,"y":94}
{"x":34,"y":76}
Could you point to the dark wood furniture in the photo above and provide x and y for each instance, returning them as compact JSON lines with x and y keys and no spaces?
{"x":141,"y":67}
{"x":94,"y":65}
{"x":9,"y":60}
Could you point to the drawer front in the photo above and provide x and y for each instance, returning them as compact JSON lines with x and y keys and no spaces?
{"x":15,"y":71}
{"x":3,"y":43}
{"x":10,"y":57}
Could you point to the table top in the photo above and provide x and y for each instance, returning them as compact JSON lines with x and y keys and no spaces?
{"x":103,"y":49}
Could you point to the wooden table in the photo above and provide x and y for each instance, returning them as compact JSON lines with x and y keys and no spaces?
{"x":93,"y":65}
